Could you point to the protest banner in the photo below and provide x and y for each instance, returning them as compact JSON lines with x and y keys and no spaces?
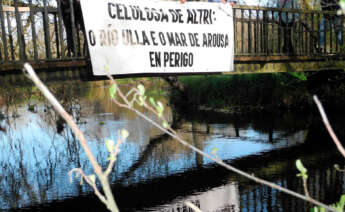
{"x":146,"y":36}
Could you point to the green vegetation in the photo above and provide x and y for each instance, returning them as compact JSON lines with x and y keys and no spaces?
{"x":243,"y":93}
{"x":262,"y":92}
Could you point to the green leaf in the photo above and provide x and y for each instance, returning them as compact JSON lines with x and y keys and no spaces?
{"x":300,"y":167}
{"x":214,"y":150}
{"x":101,"y":123}
{"x":141,"y":89}
{"x":124,"y":134}
{"x":110,"y":145}
{"x":153,"y":102}
{"x":160,"y":109}
{"x":142,"y":100}
{"x":92,"y":178}
{"x":299,"y":75}
{"x":342,"y":201}
{"x":165,"y":124}
{"x":314,"y":209}
{"x":112,"y":91}
{"x":111,"y":157}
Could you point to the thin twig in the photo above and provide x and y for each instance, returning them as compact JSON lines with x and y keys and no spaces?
{"x":329,"y":127}
{"x":305,"y":186}
{"x":88,"y":181}
{"x":192,"y":206}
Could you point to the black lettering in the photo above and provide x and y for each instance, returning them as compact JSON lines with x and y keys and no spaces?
{"x":178,"y":59}
{"x":119,"y":12}
{"x":155,"y":59}
{"x":179,"y":15}
{"x":149,"y":14}
{"x":110,"y":11}
{"x":127,"y":17}
{"x":92,"y":38}
{"x":183,"y":39}
{"x":165,"y":16}
{"x":145,"y":39}
{"x":141,"y":16}
{"x":153,"y":38}
{"x":135,"y":12}
{"x":189,"y":17}
{"x":162,"y":38}
{"x":171,"y":40}
{"x":166,"y":58}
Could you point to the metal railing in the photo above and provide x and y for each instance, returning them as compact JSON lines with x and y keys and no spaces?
{"x":261,"y":31}
{"x":39,"y":33}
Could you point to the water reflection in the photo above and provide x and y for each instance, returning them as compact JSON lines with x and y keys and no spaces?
{"x":153,"y":172}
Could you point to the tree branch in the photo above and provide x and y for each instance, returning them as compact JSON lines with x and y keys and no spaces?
{"x":329,"y":127}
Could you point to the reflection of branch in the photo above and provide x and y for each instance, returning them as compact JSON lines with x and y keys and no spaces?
{"x":126,"y":104}
{"x":328,"y":126}
{"x":144,"y":156}
{"x":108,"y":197}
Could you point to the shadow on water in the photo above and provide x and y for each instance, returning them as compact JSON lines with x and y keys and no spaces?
{"x":153,"y":172}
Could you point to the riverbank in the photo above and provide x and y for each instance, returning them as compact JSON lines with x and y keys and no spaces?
{"x":259,"y":92}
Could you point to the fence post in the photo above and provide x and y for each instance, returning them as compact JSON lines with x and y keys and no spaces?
{"x":10,"y":37}
{"x":63,"y":47}
{"x":46,"y":30}
{"x":57,"y":40}
{"x":242,"y":31}
{"x":20,"y":34}
{"x":33,"y":30}
{"x":3,"y":31}
{"x":74,"y":31}
{"x":249,"y":32}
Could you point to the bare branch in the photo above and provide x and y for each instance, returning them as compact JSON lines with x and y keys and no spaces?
{"x":329,"y":127}
{"x":88,"y":181}
{"x":192,"y":206}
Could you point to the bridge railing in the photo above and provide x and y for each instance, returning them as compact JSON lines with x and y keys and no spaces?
{"x":261,"y":31}
{"x":36,"y":33}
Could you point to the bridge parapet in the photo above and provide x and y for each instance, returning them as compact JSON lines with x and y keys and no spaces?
{"x":281,"y":34}
{"x":37,"y":33}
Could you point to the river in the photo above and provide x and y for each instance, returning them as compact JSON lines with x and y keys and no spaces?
{"x":154,"y":172}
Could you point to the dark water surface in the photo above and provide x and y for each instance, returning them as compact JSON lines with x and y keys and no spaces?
{"x":154,"y":172}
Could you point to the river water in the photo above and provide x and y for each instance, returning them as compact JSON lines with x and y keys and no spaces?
{"x":153,"y":172}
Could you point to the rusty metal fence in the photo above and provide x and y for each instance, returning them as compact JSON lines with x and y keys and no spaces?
{"x":37,"y":33}
{"x":261,"y":31}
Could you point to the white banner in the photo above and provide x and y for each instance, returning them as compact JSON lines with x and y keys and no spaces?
{"x":147,"y":36}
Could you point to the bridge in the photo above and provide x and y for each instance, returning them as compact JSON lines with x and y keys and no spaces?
{"x":266,"y":39}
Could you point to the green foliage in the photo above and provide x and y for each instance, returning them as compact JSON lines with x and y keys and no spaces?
{"x":301,"y":169}
{"x":141,"y":89}
{"x":242,"y":93}
{"x":299,"y":75}
{"x":124,"y":134}
{"x":160,"y":109}
{"x":165,"y":124}
{"x":214,"y":151}
{"x":142,"y":97}
{"x":339,"y":206}
{"x":112,"y":91}
{"x":110,"y":145}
